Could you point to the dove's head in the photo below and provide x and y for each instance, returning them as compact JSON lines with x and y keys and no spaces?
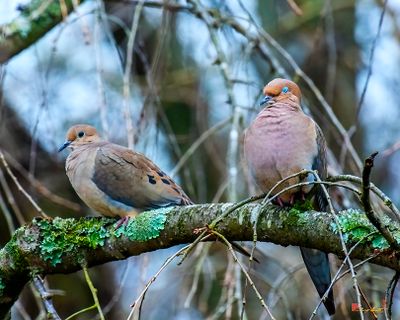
{"x":280,"y":88}
{"x":78,"y":135}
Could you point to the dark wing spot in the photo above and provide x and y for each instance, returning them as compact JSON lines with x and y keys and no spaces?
{"x":161,"y":173}
{"x":166,"y":181}
{"x":151,"y":179}
{"x":176,"y":189}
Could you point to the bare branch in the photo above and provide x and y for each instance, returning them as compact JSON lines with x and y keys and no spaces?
{"x":46,"y":297}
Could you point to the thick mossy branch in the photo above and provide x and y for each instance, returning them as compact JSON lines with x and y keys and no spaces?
{"x":65,"y":245}
{"x":36,"y":19}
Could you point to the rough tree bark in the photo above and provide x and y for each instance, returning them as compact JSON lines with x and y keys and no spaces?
{"x":65,"y":245}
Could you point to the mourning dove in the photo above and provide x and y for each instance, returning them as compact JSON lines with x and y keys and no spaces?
{"x":282,"y":141}
{"x":114,"y":180}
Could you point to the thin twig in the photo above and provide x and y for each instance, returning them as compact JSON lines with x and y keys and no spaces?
{"x":11,"y":199}
{"x":373,"y":314}
{"x":102,"y":100}
{"x":135,"y":304}
{"x":6,"y":213}
{"x":371,"y":61}
{"x":197,"y":272}
{"x":280,"y":283}
{"x":195,"y":145}
{"x":332,"y":55}
{"x":20,"y":188}
{"x":93,"y":290}
{"x":22,"y":311}
{"x":231,"y":250}
{"x":46,"y":298}
{"x":127,"y":73}
{"x":39,"y":187}
{"x":392,"y":149}
{"x":80,"y":312}
{"x":338,"y":275}
{"x":224,"y":303}
{"x":389,"y":295}
{"x":295,"y":8}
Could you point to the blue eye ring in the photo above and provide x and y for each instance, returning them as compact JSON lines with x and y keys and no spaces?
{"x":285,"y":89}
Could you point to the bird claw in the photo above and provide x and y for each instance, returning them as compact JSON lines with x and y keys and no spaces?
{"x":280,"y":202}
{"x":122,"y":222}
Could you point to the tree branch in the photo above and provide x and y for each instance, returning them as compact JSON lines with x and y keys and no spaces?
{"x":65,"y":245}
{"x":36,"y":19}
{"x":383,"y":229}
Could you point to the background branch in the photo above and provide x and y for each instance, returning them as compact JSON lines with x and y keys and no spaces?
{"x":35,"y":20}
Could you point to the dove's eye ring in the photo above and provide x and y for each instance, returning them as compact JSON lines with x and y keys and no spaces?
{"x":81,"y":134}
{"x":285,"y":89}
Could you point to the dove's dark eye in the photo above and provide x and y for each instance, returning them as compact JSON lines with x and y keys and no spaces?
{"x":81,"y":134}
{"x":285,"y":89}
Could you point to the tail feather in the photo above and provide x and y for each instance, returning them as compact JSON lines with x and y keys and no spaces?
{"x":317,"y":264}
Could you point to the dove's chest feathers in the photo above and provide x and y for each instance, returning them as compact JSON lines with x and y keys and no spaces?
{"x":79,"y":167}
{"x":280,"y":142}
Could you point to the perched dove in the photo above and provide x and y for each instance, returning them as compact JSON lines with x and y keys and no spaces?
{"x":114,"y":180}
{"x":282,"y":141}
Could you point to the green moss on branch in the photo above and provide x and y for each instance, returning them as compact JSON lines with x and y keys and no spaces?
{"x":68,"y":236}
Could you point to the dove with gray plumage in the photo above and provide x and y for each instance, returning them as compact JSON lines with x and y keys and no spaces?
{"x":114,"y":180}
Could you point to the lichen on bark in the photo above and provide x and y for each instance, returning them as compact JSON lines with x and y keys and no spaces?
{"x":145,"y":226}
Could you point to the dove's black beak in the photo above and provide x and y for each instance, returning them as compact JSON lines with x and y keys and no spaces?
{"x":265,"y":100}
{"x":66,"y":144}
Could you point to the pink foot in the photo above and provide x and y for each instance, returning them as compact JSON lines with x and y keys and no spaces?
{"x":292,"y":197}
{"x":280,"y":202}
{"x":123,"y":221}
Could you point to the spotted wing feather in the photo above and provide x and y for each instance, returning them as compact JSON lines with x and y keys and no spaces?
{"x":132,"y":179}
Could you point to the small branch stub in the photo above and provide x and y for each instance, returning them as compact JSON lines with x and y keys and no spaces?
{"x":365,"y":198}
